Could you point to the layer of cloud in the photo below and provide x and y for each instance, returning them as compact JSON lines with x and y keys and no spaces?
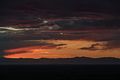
{"x":28,"y":49}
{"x":111,"y":37}
{"x":94,"y":47}
{"x":17,"y":44}
{"x":112,"y":23}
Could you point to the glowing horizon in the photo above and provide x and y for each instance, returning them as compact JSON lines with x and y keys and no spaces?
{"x":73,"y":48}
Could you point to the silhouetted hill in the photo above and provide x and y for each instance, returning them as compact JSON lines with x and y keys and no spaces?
{"x":77,"y":60}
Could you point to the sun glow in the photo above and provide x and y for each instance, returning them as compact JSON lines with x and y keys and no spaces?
{"x":73,"y":48}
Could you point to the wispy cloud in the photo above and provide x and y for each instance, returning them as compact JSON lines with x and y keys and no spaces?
{"x":39,"y":47}
{"x":94,"y":47}
{"x":26,"y":43}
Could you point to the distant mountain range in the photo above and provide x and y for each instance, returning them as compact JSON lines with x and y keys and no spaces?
{"x":61,"y":61}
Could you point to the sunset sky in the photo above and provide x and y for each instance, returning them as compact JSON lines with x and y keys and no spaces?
{"x":59,"y":29}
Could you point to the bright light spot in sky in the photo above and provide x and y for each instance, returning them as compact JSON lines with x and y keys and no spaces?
{"x":11,"y":28}
{"x":61,"y":33}
{"x":50,"y":28}
{"x":45,"y":21}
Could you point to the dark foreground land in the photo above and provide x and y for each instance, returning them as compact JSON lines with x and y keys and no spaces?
{"x":76,"y":68}
{"x":62,"y":61}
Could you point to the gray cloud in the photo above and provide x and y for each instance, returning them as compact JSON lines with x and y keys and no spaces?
{"x":110,"y":23}
{"x":26,"y":43}
{"x":94,"y":47}
{"x":111,"y":37}
{"x":113,"y":44}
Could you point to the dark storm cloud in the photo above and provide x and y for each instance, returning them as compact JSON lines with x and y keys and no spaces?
{"x":34,"y":8}
{"x":26,"y":11}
